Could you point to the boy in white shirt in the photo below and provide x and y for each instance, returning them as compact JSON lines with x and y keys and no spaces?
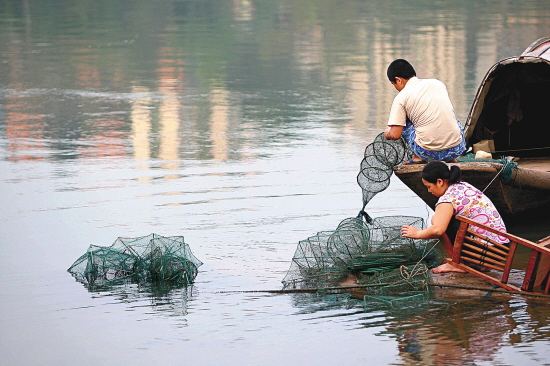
{"x":423,"y":114}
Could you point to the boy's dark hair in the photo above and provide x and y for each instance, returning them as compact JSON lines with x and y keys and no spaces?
{"x":400,"y":68}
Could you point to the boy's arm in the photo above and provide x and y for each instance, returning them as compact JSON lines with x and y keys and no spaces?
{"x":393,"y":132}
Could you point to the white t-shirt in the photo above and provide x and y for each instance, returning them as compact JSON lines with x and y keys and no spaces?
{"x":427,"y":104}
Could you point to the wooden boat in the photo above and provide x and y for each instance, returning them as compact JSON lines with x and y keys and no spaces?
{"x":508,"y":118}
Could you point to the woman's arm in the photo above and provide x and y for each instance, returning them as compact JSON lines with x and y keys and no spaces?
{"x":440,"y":221}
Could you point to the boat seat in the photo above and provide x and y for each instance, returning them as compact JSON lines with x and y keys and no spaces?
{"x":492,"y":261}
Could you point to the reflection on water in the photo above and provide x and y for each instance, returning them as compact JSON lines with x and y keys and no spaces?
{"x":218,"y":123}
{"x":466,"y":331}
{"x":202,"y":71}
{"x":171,"y":75}
{"x":166,"y":301}
{"x":239,"y":124}
{"x":24,"y":140}
{"x":441,"y":330}
{"x":141,"y":127}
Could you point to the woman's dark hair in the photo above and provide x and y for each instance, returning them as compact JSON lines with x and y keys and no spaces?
{"x":400,"y":68}
{"x":435,"y":170}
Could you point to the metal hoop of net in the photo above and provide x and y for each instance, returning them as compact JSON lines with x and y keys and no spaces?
{"x":380,"y":158}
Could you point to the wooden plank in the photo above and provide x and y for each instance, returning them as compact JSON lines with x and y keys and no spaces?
{"x":542,"y":276}
{"x":545,"y":242}
{"x":503,"y":250}
{"x":509,"y":260}
{"x":459,"y":240}
{"x":486,"y":251}
{"x":482,"y":240}
{"x":484,"y":264}
{"x":483,"y":258}
{"x":531,"y":270}
{"x":524,"y":242}
{"x":485,"y":276}
{"x":541,"y":164}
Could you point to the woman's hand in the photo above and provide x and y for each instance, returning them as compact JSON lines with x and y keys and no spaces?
{"x":412,"y":232}
{"x":440,"y":222}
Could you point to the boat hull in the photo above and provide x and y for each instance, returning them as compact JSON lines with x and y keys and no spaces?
{"x":527,"y":192}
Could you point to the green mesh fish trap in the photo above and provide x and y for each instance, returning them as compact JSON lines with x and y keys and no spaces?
{"x":399,"y":287}
{"x":359,"y":248}
{"x":402,"y":280}
{"x":147,"y":259}
{"x":380,"y":158}
{"x":370,"y":249}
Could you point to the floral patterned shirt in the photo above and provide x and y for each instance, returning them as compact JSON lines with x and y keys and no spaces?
{"x":470,"y":202}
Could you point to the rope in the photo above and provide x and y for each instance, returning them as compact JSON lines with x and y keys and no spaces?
{"x":423,"y":256}
{"x":305,"y":290}
{"x":365,"y":215}
{"x":495,"y":177}
{"x":407,"y":275}
{"x":346,"y":288}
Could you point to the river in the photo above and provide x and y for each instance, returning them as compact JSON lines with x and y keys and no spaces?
{"x":240,"y":125}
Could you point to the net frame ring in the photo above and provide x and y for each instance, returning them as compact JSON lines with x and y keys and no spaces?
{"x":387,"y":153}
{"x":382,"y":179}
{"x":399,"y":145}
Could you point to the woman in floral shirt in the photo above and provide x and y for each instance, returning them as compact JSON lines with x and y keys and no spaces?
{"x":455,"y":198}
